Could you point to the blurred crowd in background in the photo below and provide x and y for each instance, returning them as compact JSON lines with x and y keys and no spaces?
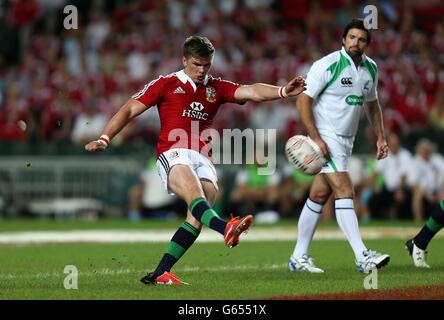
{"x":61,"y":86}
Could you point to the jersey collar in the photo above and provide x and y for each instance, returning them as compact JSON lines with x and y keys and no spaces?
{"x":185,"y":78}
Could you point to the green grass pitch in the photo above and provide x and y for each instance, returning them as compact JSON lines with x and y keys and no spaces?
{"x":253,"y":270}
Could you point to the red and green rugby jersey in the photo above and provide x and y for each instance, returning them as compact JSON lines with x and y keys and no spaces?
{"x":182,"y":104}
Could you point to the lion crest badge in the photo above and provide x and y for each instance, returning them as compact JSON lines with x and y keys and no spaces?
{"x":210,"y":93}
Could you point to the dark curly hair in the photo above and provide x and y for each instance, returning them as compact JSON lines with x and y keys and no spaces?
{"x":357,"y":24}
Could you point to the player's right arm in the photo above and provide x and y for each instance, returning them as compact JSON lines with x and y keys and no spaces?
{"x":138,"y":103}
{"x":304,"y":104}
{"x":316,"y":81}
{"x":131,"y":109}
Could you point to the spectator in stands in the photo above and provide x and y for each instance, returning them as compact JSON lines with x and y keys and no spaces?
{"x":148,"y":199}
{"x":254,"y":192}
{"x":89,"y":124}
{"x":394,"y":199}
{"x":358,"y":176}
{"x":13,"y":111}
{"x":65,"y":119}
{"x":105,"y":52}
{"x":271,"y":116}
{"x":367,"y":185}
{"x":412,"y":105}
{"x":293,"y":191}
{"x":436,"y":111}
{"x":437,"y":160}
{"x":109,"y":38}
{"x":423,"y":178}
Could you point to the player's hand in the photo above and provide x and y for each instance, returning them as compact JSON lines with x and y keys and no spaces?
{"x":295,"y":86}
{"x":94,"y":146}
{"x":382,"y":149}
{"x":323,"y":146}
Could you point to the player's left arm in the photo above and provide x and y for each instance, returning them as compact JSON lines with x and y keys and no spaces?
{"x":259,"y":92}
{"x":374,"y":113}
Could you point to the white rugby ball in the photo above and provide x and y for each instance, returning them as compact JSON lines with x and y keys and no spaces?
{"x":304,"y":155}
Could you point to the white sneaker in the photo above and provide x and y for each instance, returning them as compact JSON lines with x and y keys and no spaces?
{"x":372,"y":260}
{"x":419,"y":256}
{"x":303,"y":264}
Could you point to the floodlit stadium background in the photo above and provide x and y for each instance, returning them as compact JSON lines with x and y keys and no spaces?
{"x":58,"y":88}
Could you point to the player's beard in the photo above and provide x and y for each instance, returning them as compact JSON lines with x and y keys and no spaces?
{"x":354,"y":54}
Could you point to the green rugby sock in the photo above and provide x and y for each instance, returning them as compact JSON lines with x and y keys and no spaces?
{"x":201,"y":210}
{"x":179,"y":244}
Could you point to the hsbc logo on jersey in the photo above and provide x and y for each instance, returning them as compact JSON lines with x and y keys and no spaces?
{"x":195,"y":111}
{"x":196,"y":106}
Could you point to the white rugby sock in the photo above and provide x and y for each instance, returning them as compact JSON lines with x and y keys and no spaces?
{"x":307,"y":224}
{"x":348,"y":222}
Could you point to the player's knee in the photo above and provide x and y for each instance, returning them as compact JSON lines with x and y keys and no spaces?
{"x":211,"y":198}
{"x":344,"y":189}
{"x":319,"y":196}
{"x":209,"y":190}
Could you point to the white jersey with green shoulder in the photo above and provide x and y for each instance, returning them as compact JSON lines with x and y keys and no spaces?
{"x":339,"y":90}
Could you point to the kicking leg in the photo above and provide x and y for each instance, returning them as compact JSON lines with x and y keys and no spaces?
{"x":184,"y":182}
{"x":186,"y":234}
{"x":418,"y":245}
{"x":182,"y":240}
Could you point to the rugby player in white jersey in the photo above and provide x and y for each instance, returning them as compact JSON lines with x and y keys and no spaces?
{"x":339,"y":86}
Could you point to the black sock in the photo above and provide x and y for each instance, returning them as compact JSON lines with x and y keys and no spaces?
{"x":423,"y":238}
{"x":428,"y":231}
{"x":165,"y":264}
{"x":179,"y":244}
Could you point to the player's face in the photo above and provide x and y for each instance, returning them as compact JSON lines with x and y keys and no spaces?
{"x":425,"y":152}
{"x":355,"y":42}
{"x":197,"y":67}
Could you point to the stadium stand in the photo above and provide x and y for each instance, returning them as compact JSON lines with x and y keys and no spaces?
{"x":49,"y":76}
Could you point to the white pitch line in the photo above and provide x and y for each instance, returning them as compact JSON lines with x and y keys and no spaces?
{"x":111,"y":272}
{"x":133,"y":236}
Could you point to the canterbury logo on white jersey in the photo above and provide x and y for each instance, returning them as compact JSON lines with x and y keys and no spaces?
{"x":179,"y":90}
